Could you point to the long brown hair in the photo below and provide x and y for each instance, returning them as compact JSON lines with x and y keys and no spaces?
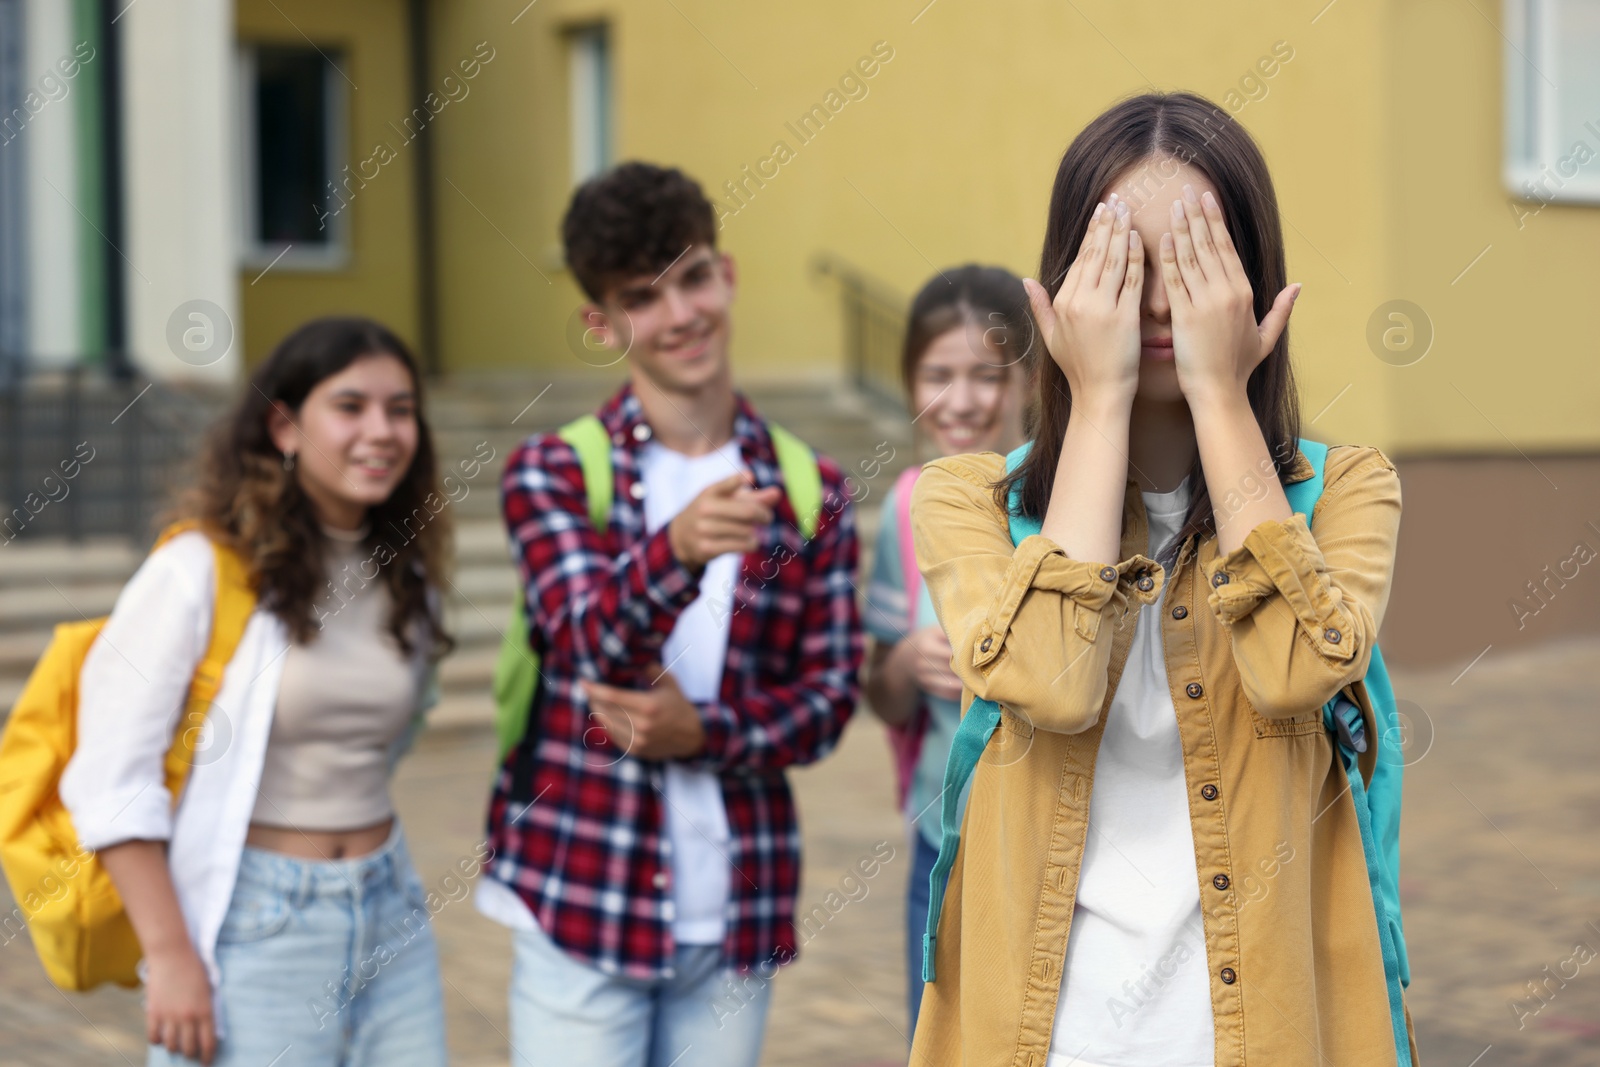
{"x":1190,"y":129}
{"x":243,"y":496}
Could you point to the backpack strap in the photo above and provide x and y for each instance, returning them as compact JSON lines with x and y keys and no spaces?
{"x":1346,"y":724}
{"x":905,"y":739}
{"x":234,"y":603}
{"x":966,"y":748}
{"x":802,"y":479}
{"x":515,"y":682}
{"x":911,"y":577}
{"x":588,"y":438}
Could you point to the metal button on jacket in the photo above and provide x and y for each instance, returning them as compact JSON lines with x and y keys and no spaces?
{"x":1108,"y":574}
{"x":988,"y":643}
{"x":1332,"y":635}
{"x":1220,"y":578}
{"x":1194,"y":689}
{"x":1227,"y":975}
{"x":1145,"y":583}
{"x":636,"y":490}
{"x":1220,"y":881}
{"x":641,"y":432}
{"x":1180,"y":612}
{"x":1208,"y":791}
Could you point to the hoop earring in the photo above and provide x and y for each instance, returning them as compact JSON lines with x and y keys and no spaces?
{"x":288,"y":461}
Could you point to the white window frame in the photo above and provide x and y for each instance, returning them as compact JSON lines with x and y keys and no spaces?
{"x":1534,"y":146}
{"x":589,"y":99}
{"x":334,"y":255}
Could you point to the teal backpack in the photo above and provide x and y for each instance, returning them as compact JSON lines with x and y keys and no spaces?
{"x":516,"y":668}
{"x":1377,"y":802}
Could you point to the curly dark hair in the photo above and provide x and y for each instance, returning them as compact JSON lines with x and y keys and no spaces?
{"x":636,"y":218}
{"x":243,"y":497}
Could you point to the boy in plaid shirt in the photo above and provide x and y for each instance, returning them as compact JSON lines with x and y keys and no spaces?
{"x":647,"y":853}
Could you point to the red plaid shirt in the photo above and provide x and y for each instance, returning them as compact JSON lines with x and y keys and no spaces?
{"x":576,"y":823}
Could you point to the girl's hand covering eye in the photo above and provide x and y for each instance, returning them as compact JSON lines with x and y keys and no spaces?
{"x":1091,"y":328}
{"x":1216,"y":341}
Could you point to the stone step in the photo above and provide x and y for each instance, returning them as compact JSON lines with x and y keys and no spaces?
{"x":25,"y":562}
{"x":10,"y":689}
{"x":458,"y":710}
{"x":469,"y":671}
{"x":54,"y":599}
{"x":19,"y":651}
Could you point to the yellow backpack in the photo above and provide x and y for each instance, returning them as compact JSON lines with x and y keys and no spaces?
{"x":68,"y":902}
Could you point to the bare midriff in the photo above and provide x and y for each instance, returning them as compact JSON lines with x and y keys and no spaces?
{"x":319,"y":844}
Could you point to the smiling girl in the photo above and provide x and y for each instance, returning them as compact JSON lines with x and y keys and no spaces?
{"x":276,"y":904}
{"x":1162,"y":649}
{"x":969,"y":351}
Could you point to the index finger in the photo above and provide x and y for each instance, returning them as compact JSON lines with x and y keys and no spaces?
{"x":730,"y":485}
{"x":600,"y":690}
{"x":772,"y":491}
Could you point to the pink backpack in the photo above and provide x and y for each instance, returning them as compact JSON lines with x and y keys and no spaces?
{"x":905,"y":741}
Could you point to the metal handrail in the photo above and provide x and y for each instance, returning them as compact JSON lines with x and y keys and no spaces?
{"x":85,"y":453}
{"x":874,"y":316}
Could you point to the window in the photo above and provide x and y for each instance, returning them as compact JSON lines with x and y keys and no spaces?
{"x":295,"y":208}
{"x":589,"y":90}
{"x":1552,"y":129}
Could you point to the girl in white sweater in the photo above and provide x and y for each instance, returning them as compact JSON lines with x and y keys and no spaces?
{"x":276,"y":904}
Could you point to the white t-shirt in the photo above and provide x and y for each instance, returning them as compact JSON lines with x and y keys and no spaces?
{"x":695,"y":817}
{"x":1135,"y":989}
{"x":697,"y":821}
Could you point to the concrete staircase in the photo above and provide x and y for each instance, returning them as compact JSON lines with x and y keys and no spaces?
{"x":46,"y":581}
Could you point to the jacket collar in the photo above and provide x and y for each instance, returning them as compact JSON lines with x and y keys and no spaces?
{"x":1135,"y":522}
{"x":1299,"y":470}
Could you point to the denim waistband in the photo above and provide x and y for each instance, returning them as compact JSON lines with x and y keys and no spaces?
{"x":388,"y":865}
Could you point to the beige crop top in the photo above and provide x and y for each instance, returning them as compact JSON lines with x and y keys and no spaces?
{"x":344,"y":700}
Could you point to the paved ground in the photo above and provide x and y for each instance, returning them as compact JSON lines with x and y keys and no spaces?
{"x":1502,"y":889}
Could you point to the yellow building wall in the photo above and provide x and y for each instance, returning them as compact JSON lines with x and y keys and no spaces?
{"x":1514,"y":363}
{"x":948,"y":158}
{"x":378,"y":278}
{"x":1382,"y":131}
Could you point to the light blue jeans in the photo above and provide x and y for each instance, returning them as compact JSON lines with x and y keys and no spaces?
{"x":327,"y":964}
{"x":566,"y":1013}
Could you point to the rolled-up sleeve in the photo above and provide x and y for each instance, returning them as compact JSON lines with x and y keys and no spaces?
{"x":1030,"y":629}
{"x":132,"y":689}
{"x":1304,"y":603}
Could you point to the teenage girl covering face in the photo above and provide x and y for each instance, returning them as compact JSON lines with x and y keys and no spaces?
{"x":277,"y":905}
{"x":969,"y":354}
{"x":1163,"y":866}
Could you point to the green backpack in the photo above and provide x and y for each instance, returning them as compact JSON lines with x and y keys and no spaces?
{"x":516,"y":669}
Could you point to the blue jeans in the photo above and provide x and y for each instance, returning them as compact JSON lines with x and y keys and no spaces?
{"x":327,"y":964}
{"x":566,"y":1013}
{"x":923,"y":856}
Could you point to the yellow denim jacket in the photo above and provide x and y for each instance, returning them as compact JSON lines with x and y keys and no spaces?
{"x":1255,"y":643}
